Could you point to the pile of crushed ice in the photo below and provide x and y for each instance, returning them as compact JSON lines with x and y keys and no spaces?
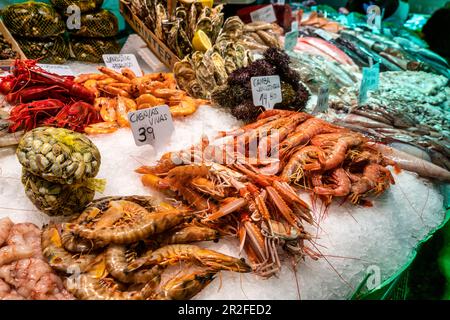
{"x":355,"y":241}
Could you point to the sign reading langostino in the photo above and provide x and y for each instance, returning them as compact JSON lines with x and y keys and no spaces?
{"x":151,"y":126}
{"x":119,"y":61}
{"x":266,"y":91}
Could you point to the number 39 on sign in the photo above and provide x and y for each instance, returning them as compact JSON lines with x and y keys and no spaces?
{"x":151,"y":126}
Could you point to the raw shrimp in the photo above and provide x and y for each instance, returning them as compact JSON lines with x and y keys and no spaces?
{"x":341,"y":186}
{"x":12,"y":253}
{"x":186,"y":286}
{"x":5,"y":227}
{"x":306,"y":159}
{"x":86,"y":287}
{"x":57,"y":257}
{"x":336,"y":146}
{"x":8,"y":293}
{"x":26,"y":235}
{"x":305,"y":132}
{"x":375,"y":177}
{"x":34,"y":279}
{"x":188,"y":234}
{"x":116,"y":264}
{"x":171,"y":254}
{"x":149,"y":224}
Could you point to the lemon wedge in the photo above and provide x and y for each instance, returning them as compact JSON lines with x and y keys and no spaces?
{"x":206,"y":3}
{"x":201,"y":42}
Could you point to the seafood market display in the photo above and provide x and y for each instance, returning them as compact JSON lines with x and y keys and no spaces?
{"x":58,"y":169}
{"x":119,"y":93}
{"x":236,"y":94}
{"x":255,"y":199}
{"x":182,"y":28}
{"x":200,"y":72}
{"x":43,"y":98}
{"x":24,"y":273}
{"x":317,"y":20}
{"x":286,"y":201}
{"x":127,"y":244}
{"x":409,"y":107}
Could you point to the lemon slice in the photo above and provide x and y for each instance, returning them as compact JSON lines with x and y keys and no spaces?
{"x":201,"y":42}
{"x":206,"y":3}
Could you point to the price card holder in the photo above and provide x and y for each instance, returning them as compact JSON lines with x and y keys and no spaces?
{"x":372,"y":76}
{"x":266,"y":14}
{"x":290,"y":40}
{"x":266,"y":91}
{"x":374,"y":18}
{"x":322,"y":100}
{"x":370,"y":81}
{"x":57,"y":69}
{"x":294,"y":26}
{"x":151,"y":126}
{"x":119,"y":61}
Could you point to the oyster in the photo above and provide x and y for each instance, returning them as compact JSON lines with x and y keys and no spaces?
{"x":204,"y":71}
{"x":204,"y":22}
{"x":220,"y":72}
{"x":161,"y":15}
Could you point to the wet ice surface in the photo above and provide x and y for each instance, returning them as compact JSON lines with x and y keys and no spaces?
{"x":354,"y":240}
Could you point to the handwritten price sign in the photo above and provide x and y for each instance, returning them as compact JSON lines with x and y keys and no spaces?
{"x":266,"y":91}
{"x":119,"y":61}
{"x":151,"y":126}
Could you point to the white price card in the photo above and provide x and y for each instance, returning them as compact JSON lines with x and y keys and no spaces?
{"x":266,"y":91}
{"x":151,"y":126}
{"x":57,"y":69}
{"x":322,"y":100}
{"x":119,"y":61}
{"x":266,"y":14}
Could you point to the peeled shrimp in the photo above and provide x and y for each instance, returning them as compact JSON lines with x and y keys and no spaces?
{"x":5,"y":227}
{"x":34,"y":279}
{"x":9,"y":254}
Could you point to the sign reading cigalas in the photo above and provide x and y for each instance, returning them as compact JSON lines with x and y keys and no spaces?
{"x":266,"y":91}
{"x":151,"y":126}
